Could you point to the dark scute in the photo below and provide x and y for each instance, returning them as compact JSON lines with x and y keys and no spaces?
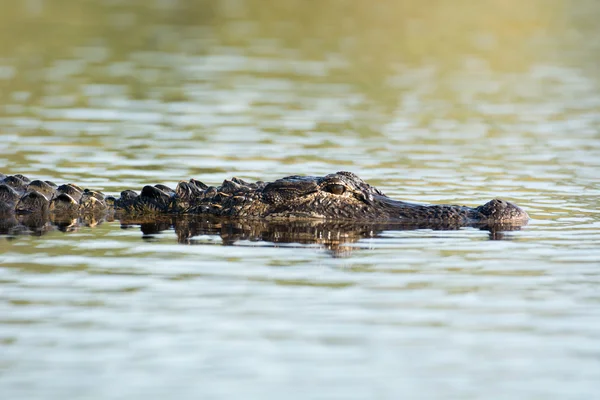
{"x":230,"y":187}
{"x":54,"y":185}
{"x":93,"y":193}
{"x":211,"y":191}
{"x":92,"y":201}
{"x":8,"y":194}
{"x":76,"y":187}
{"x":71,"y":190}
{"x":188,"y":190}
{"x":241,"y":181}
{"x":127,"y":198}
{"x":155,"y":197}
{"x":198,"y":184}
{"x":65,"y":198}
{"x":152,"y":192}
{"x":63,"y":203}
{"x":32,"y":202}
{"x":42,"y":187}
{"x":6,"y":211}
{"x":165,"y":189}
{"x":15,"y":182}
{"x":22,"y":177}
{"x":128,"y":195}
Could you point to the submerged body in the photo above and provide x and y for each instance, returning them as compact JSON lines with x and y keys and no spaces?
{"x":339,"y":196}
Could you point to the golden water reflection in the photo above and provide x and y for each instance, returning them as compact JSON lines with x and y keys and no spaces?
{"x":365,"y":44}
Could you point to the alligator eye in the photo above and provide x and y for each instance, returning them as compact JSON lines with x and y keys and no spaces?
{"x":335,"y":189}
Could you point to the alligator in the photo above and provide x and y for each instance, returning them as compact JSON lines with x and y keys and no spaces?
{"x":341,"y":196}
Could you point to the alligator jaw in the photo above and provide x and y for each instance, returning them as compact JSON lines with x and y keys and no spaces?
{"x":410,"y":212}
{"x":493,"y":212}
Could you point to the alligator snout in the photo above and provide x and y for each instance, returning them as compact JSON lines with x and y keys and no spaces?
{"x":501,"y":211}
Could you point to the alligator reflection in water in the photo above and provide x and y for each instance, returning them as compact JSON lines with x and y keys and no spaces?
{"x":328,"y":234}
{"x":331,"y":235}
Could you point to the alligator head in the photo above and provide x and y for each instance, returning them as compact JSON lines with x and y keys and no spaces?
{"x":345,"y":196}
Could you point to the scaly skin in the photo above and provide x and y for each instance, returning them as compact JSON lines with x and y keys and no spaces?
{"x":339,"y":196}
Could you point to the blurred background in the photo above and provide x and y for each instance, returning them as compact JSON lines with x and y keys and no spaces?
{"x":146,"y":91}
{"x":445,"y":101}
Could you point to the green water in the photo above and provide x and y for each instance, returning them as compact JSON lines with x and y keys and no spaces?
{"x":431,"y":101}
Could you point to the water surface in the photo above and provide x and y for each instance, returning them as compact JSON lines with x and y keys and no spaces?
{"x":432,"y":103}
